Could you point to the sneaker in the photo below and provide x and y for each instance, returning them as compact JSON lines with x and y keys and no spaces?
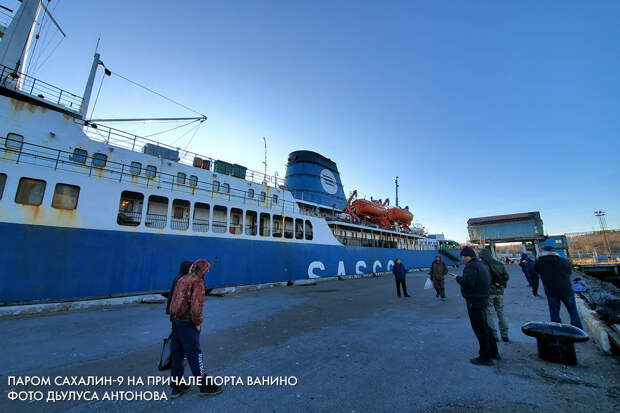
{"x":482,"y":362}
{"x":210,"y":390}
{"x":179,"y":391}
{"x":407,"y":295}
{"x":505,"y":339}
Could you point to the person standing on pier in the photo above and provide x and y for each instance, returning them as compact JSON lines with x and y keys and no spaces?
{"x":437,"y":273}
{"x":532,"y":275}
{"x":400,"y":274}
{"x":522,"y":262}
{"x":555,"y":272}
{"x":186,"y":315}
{"x":183,"y":270}
{"x":499,"y":280}
{"x":475,"y":283}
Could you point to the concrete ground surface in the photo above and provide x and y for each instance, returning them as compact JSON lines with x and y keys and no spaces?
{"x":352,"y":345}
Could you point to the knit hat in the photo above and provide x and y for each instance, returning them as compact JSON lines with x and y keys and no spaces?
{"x":468,"y":252}
{"x":200,"y":267}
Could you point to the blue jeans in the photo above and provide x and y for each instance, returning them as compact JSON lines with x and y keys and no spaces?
{"x":186,"y":342}
{"x":569,"y":302}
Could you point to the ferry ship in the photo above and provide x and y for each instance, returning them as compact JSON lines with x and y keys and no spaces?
{"x":89,"y":211}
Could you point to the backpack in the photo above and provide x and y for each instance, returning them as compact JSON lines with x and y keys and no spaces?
{"x":498,"y":279}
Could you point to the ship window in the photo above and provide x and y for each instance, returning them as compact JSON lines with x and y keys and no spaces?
{"x":99,"y":160}
{"x":299,"y":229}
{"x":156,"y":212}
{"x":308,"y":230}
{"x":193,"y":181}
{"x":219,"y":219}
{"x":226,"y":188}
{"x":263,"y":196}
{"x":264,"y":225}
{"x":201,"y":217}
{"x":79,"y":155}
{"x":135,"y":168}
{"x":2,"y":183}
{"x":150,"y":171}
{"x":250,"y":222}
{"x":277,"y":226}
{"x":130,"y":209}
{"x":30,"y":191}
{"x":181,"y":178}
{"x":288,"y":227}
{"x":236,"y":217}
{"x":251,"y":193}
{"x":216,"y":186}
{"x":65,"y":196}
{"x":180,"y":214}
{"x":14,"y":141}
{"x":275,"y":200}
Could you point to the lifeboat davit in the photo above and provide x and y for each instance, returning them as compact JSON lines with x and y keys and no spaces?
{"x":400,"y":215}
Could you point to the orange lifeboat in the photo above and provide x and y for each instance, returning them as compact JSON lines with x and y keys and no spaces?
{"x":368,"y":209}
{"x":401,"y":215}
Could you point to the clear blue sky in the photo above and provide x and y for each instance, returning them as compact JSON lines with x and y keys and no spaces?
{"x":480,"y":107}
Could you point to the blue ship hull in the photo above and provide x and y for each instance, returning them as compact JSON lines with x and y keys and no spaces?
{"x":55,"y":263}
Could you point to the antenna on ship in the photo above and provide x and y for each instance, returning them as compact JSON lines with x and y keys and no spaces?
{"x":396,"y":192}
{"x":265,"y":162}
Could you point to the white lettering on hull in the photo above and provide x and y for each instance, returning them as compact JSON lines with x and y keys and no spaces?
{"x":341,"y":270}
{"x":390,"y":265}
{"x":358,"y":267}
{"x":376,"y":265}
{"x":315,"y":265}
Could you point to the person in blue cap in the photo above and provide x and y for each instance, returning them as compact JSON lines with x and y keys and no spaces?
{"x":555,"y":273}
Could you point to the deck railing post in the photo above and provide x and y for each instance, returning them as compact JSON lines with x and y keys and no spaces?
{"x":32,"y":88}
{"x":122,"y":170}
{"x":133,"y":146}
{"x":60,"y":96}
{"x":57,"y":159}
{"x":109,"y":132}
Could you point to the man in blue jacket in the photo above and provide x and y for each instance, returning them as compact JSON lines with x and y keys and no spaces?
{"x":400,"y":274}
{"x":475,"y":283}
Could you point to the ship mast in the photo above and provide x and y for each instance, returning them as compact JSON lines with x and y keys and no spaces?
{"x":15,"y":45}
{"x":396,"y":182}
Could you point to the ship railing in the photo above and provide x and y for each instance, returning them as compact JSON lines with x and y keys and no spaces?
{"x":38,"y":89}
{"x":32,"y":154}
{"x":179,"y":223}
{"x":129,"y":218}
{"x":155,"y":220}
{"x":200,"y":225}
{"x":219,"y":226}
{"x":126,"y":140}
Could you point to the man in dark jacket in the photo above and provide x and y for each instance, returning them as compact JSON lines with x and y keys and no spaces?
{"x":475,"y":283}
{"x":186,"y":315}
{"x":499,"y":280}
{"x":400,"y":274}
{"x":437,"y":273}
{"x":555,"y":272}
{"x":522,"y":262}
{"x":532,"y":275}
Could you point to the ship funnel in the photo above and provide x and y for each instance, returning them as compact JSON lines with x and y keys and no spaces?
{"x":314,"y":178}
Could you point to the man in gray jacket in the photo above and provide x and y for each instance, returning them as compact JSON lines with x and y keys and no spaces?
{"x":475,"y":283}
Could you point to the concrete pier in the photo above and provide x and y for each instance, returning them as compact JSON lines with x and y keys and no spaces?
{"x":351,"y":345}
